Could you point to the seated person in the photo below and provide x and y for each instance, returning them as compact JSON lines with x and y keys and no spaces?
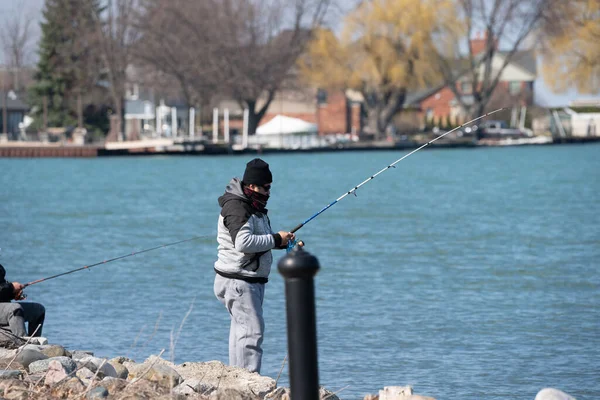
{"x":15,"y":314}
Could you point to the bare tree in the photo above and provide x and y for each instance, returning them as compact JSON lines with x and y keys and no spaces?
{"x":569,"y":45}
{"x":16,"y":37}
{"x":242,"y":49}
{"x":506,"y":23}
{"x":116,"y":38}
{"x":173,"y":53}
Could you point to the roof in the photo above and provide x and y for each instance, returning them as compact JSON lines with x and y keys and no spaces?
{"x":13,"y":104}
{"x":415,"y":98}
{"x":524,"y":59}
{"x":282,"y":124}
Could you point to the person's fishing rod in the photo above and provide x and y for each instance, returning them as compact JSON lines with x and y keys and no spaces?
{"x":113,"y":259}
{"x":392,"y":165}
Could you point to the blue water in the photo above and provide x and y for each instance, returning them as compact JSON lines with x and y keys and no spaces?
{"x":466,"y":273}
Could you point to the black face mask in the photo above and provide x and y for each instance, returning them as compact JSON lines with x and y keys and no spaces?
{"x":259,"y":200}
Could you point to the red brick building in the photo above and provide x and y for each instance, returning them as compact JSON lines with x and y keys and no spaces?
{"x":515,"y":86}
{"x":333,"y":111}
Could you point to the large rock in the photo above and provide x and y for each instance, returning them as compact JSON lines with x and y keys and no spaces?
{"x":553,"y":394}
{"x":99,"y":366}
{"x":198,"y":386}
{"x":155,"y":369}
{"x":85,"y":374}
{"x":34,"y":379}
{"x":215,"y":374}
{"x":56,"y":372}
{"x":327,"y":394}
{"x":232,"y":394}
{"x":31,"y":346}
{"x":114,"y":385}
{"x":99,"y":392}
{"x":163,"y":375}
{"x":79,"y":354}
{"x":54,"y":350}
{"x":134,"y":369}
{"x":28,"y":356}
{"x":69,"y":387}
{"x":121,"y":370}
{"x":184,"y":389}
{"x":280,"y":393}
{"x":144,"y":389}
{"x":11,"y":374}
{"x":43,"y":365}
{"x":120,"y":360}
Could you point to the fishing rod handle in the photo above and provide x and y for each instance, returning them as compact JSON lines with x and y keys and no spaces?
{"x":32,"y":283}
{"x":297,"y":228}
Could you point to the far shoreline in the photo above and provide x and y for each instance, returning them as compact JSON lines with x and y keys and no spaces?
{"x":195,"y":148}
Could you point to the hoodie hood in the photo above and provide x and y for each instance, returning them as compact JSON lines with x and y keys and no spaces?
{"x":233,"y":191}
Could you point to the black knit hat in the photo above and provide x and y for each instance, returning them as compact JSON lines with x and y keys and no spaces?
{"x":257,"y":172}
{"x":2,"y":273}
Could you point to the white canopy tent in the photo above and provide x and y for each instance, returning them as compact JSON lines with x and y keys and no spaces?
{"x":287,"y":132}
{"x":282,"y":125}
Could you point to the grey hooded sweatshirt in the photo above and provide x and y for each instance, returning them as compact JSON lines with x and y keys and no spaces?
{"x":245,"y":238}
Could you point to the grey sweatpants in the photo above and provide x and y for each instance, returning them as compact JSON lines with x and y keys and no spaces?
{"x":244,"y":302}
{"x":15,"y":314}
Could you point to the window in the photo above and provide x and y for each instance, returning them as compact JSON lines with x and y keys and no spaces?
{"x":322,"y":97}
{"x":466,"y":88}
{"x":514,"y":88}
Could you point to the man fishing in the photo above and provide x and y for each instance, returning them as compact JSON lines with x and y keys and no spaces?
{"x":244,"y":260}
{"x":15,"y":314}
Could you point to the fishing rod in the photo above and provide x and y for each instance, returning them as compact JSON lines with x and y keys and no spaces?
{"x":113,"y":259}
{"x":392,"y":165}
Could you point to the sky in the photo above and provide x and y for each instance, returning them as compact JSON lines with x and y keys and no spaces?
{"x":33,"y":8}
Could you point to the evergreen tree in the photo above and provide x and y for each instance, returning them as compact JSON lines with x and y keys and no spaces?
{"x":68,"y":65}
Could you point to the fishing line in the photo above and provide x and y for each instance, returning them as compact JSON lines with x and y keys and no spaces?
{"x":291,"y":244}
{"x":115,"y":259}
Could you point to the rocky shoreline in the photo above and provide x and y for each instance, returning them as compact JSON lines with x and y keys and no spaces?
{"x":38,"y":370}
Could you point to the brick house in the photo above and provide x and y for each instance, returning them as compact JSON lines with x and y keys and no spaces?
{"x":334,"y":112}
{"x":515,"y":86}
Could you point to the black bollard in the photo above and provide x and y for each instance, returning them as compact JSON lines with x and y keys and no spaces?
{"x":299,"y":268}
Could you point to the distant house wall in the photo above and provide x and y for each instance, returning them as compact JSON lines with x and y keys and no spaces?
{"x":585,"y":124}
{"x":331,"y":111}
{"x":333,"y":115}
{"x":438,"y":104}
